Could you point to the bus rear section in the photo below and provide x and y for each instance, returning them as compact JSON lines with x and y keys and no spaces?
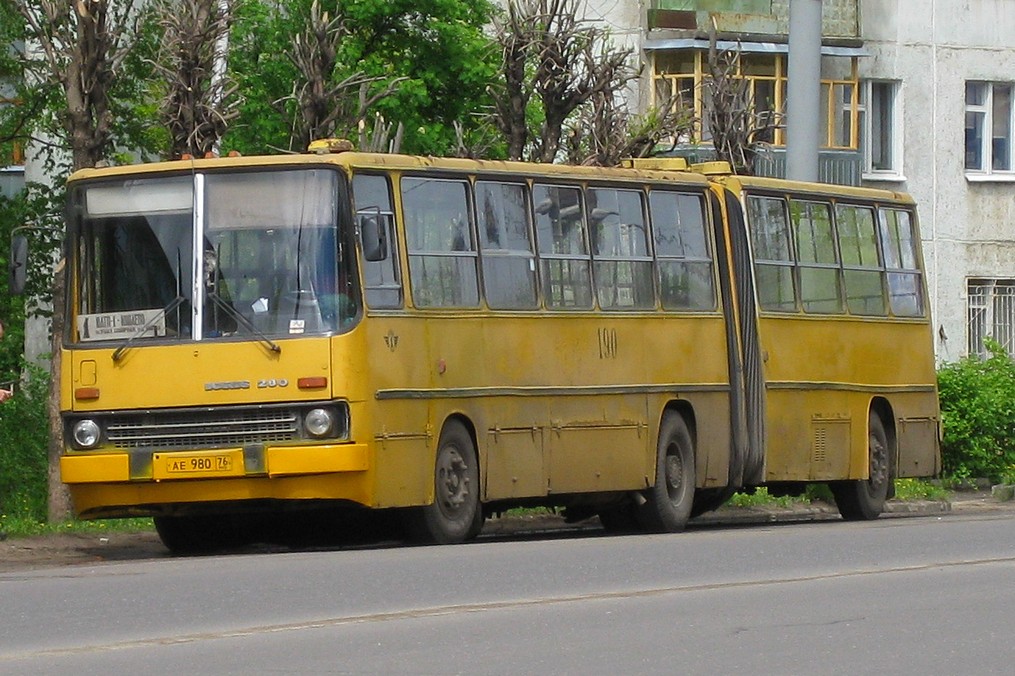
{"x":845,"y":336}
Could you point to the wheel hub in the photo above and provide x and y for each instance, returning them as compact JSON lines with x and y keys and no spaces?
{"x":453,"y":480}
{"x":674,"y":473}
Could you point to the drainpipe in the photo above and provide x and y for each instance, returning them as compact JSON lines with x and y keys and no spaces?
{"x":803,"y":95}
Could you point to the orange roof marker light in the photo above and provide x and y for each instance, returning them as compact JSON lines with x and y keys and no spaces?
{"x":655,"y":163}
{"x":330,"y":145}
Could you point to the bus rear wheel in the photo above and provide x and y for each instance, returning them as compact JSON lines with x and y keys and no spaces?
{"x":455,"y":515}
{"x":864,"y":499}
{"x":668,"y":502}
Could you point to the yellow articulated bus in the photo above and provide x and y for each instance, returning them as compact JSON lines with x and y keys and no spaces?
{"x":451,"y":337}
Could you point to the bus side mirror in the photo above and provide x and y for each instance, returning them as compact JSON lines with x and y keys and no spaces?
{"x":373,"y":238}
{"x":18,"y":269}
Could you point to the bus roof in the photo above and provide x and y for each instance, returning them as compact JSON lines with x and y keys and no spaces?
{"x":758,"y":183}
{"x":642,"y":171}
{"x":394,"y":162}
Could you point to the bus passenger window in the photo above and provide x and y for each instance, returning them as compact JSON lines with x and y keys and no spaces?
{"x":773,"y":258}
{"x":819,"y":264}
{"x":619,"y":235}
{"x":564,"y":258}
{"x":442,"y":256}
{"x":382,"y":283}
{"x":862,"y":273}
{"x":682,"y":251}
{"x":509,"y":266}
{"x":905,"y":287}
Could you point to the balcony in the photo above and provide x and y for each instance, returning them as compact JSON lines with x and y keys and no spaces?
{"x":840,"y":18}
{"x":841,"y":167}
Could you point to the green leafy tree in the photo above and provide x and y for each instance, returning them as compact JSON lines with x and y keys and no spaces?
{"x":23,"y":443}
{"x":436,"y":49}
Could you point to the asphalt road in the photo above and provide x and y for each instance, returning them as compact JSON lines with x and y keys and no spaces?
{"x":927,"y":595}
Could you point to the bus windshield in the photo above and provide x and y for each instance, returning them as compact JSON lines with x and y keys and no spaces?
{"x":209,"y":256}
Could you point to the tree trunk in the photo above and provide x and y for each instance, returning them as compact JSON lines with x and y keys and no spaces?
{"x":60,"y":509}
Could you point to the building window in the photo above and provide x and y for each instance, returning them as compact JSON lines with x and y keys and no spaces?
{"x":991,"y":311}
{"x":880,"y":125}
{"x":988,"y":127}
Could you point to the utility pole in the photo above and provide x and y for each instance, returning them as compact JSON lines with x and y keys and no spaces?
{"x":803,"y":96}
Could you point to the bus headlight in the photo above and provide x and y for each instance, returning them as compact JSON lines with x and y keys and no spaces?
{"x":86,"y":433}
{"x":319,"y":422}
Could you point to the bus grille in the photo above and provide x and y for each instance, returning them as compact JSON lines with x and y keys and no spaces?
{"x":202,"y":429}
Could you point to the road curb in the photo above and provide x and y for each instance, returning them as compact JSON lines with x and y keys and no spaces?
{"x":813,"y":512}
{"x":728,"y":515}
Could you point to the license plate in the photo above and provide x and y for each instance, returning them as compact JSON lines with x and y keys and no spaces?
{"x":197,"y":465}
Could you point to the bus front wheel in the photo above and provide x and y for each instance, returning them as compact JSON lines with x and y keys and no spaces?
{"x":864,"y":499}
{"x":668,"y":502}
{"x":200,"y":534}
{"x":455,"y":515}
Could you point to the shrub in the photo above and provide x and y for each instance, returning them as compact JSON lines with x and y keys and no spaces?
{"x":978,"y":415}
{"x":24,"y":434}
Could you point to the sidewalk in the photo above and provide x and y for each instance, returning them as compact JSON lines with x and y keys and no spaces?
{"x":977,"y":501}
{"x":87,"y":548}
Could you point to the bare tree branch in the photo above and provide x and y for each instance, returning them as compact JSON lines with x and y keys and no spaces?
{"x":80,"y":45}
{"x":326,"y":107}
{"x":552,"y":54}
{"x":739,"y":131}
{"x":200,"y":101}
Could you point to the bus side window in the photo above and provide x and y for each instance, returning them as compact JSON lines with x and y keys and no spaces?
{"x":862,"y":271}
{"x":682,"y":251}
{"x":509,"y":266}
{"x":564,"y":256}
{"x":372,"y":200}
{"x":619,"y":234}
{"x":905,"y":288}
{"x":442,"y":253}
{"x":816,"y":256}
{"x":773,"y":253}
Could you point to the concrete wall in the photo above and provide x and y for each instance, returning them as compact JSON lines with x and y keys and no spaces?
{"x":933,"y":47}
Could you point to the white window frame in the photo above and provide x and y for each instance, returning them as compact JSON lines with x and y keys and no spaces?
{"x":990,"y":313}
{"x":874,"y":126}
{"x":986,"y":112}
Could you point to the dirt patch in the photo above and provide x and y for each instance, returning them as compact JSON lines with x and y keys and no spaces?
{"x":64,"y":549}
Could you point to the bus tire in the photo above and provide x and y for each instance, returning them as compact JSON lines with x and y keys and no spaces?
{"x":668,"y":502}
{"x":864,"y":499}
{"x":198,"y":534}
{"x":455,"y":515}
{"x":710,"y":499}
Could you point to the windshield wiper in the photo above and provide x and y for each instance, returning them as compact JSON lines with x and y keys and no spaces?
{"x":173,"y":304}
{"x":244,"y":322}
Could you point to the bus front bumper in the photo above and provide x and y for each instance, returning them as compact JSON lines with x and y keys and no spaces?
{"x":281,"y":461}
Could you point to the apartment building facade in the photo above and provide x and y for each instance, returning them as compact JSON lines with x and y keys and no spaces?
{"x":916,"y":96}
